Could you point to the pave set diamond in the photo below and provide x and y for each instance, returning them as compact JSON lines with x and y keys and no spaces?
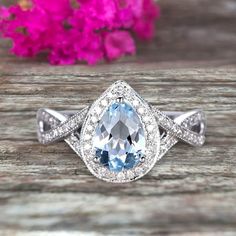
{"x":118,"y":137}
{"x":180,"y":131}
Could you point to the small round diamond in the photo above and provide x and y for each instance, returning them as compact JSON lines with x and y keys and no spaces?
{"x":110,"y":95}
{"x":141,"y":110}
{"x":87,"y":137}
{"x":150,"y":128}
{"x":104,"y":102}
{"x":89,"y":127}
{"x":146,"y":118}
{"x":98,"y":110}
{"x":94,"y":119}
{"x":138,"y":171}
{"x":130,"y":174}
{"x":120,"y":176}
{"x":135,"y":103}
{"x":87,"y":146}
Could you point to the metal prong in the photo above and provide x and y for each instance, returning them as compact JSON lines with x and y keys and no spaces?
{"x":120,"y":99}
{"x":96,"y":160}
{"x":143,"y":158}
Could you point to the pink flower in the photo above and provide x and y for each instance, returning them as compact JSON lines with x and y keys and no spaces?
{"x":58,"y":9}
{"x":63,"y":50}
{"x":4,"y":13}
{"x":144,"y":25}
{"x":78,"y":30}
{"x":118,"y":43}
{"x":90,"y":48}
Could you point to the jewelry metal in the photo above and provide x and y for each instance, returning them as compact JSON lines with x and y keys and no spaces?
{"x":150,"y":133}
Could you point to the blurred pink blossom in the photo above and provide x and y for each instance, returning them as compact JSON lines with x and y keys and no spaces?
{"x":78,"y":30}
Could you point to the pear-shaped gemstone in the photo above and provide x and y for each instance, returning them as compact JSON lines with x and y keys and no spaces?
{"x":119,"y":138}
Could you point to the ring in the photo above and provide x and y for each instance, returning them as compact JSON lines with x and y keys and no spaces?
{"x":120,"y":136}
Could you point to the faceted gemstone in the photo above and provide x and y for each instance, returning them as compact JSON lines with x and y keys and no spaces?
{"x":119,"y":138}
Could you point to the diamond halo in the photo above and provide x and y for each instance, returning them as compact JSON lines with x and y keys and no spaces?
{"x":151,"y":133}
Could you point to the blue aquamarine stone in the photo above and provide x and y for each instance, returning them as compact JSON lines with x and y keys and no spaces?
{"x":119,"y":138}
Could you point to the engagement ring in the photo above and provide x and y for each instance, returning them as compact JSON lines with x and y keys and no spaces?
{"x":120,"y":136}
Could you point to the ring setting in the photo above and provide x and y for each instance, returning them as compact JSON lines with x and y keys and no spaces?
{"x":120,"y":137}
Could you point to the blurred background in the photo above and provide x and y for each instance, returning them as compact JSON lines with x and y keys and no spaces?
{"x":189,"y":31}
